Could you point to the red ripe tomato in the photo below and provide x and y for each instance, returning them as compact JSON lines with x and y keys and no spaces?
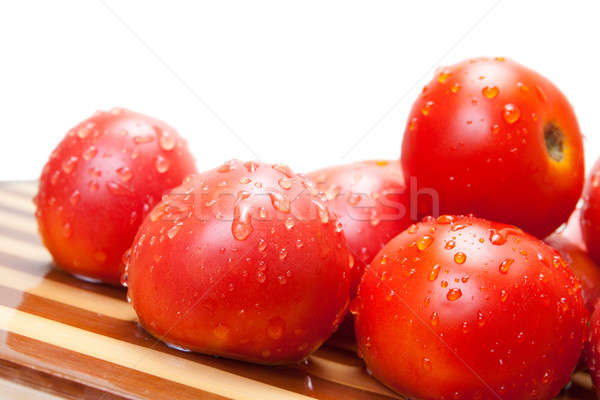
{"x":498,"y":140}
{"x":243,"y":261}
{"x":372,"y":203}
{"x":582,"y":265}
{"x":590,"y":214}
{"x":464,"y":308}
{"x":592,"y":349}
{"x":370,"y":200}
{"x":98,"y":185}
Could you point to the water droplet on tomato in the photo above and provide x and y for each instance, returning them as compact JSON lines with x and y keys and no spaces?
{"x":490,"y":91}
{"x":276,"y":328}
{"x":75,"y":196}
{"x":172,"y":232}
{"x":426,"y":109}
{"x":69,"y":164}
{"x":289,"y":223}
{"x":166,"y":140}
{"x":460,"y":258}
{"x":424,"y":242}
{"x":280,"y":202}
{"x":511,"y":113}
{"x":124,"y":173}
{"x":285,"y":183}
{"x":162,"y":164}
{"x":435,"y":319}
{"x":505,"y":265}
{"x":434,"y":273}
{"x":67,"y":232}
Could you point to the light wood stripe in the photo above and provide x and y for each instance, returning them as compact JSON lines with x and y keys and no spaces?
{"x":19,"y":248}
{"x":348,"y":375}
{"x":16,"y":202}
{"x":139,"y":358}
{"x":66,"y":294}
{"x":18,"y":222}
{"x":25,"y":188}
{"x":11,"y":390}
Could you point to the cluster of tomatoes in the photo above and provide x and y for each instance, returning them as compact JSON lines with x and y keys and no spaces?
{"x":439,"y":258}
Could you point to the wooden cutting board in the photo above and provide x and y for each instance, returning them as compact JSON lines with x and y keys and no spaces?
{"x":62,"y":337}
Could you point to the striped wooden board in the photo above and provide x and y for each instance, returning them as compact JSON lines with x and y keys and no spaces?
{"x":64,"y":338}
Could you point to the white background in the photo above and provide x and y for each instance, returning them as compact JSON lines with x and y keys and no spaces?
{"x":299,"y":82}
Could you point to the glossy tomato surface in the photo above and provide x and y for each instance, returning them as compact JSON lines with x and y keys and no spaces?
{"x":100,"y":182}
{"x":464,"y":308}
{"x":243,"y":261}
{"x":590,"y":214}
{"x":592,"y":349}
{"x":495,"y":139}
{"x":371,"y":201}
{"x":582,"y":265}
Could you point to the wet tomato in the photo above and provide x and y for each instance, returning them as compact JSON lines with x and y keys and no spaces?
{"x":372,"y":203}
{"x":592,"y":348}
{"x":582,"y":265}
{"x":98,"y":185}
{"x":494,"y":138}
{"x":464,"y":308}
{"x":590,"y":214}
{"x":370,"y":200}
{"x":243,"y":261}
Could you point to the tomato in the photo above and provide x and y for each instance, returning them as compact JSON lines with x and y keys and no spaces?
{"x":582,"y":265}
{"x":243,"y":261}
{"x":372,"y":203}
{"x":99,"y":183}
{"x":494,"y":138}
{"x":370,"y":200}
{"x":592,"y":350}
{"x":590,"y":214}
{"x":464,"y":308}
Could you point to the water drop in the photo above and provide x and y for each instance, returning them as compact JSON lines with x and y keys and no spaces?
{"x":143,"y":139}
{"x":262,"y":245}
{"x":285,"y":183}
{"x":69,"y":164}
{"x":289,"y":223}
{"x":435,"y":271}
{"x":100,"y":256}
{"x":90,"y":153}
{"x":283,"y":254}
{"x":241,"y":227}
{"x":460,"y":257}
{"x":245,"y":180}
{"x":124,"y":173}
{"x":424,"y":242}
{"x":166,"y":140}
{"x":455,"y":87}
{"x":495,"y":128}
{"x":221,"y":332}
{"x":280,"y":202}
{"x":450,"y":244}
{"x":172,"y":232}
{"x":511,"y":113}
{"x":74,"y":199}
{"x":413,"y":124}
{"x":67,"y":232}
{"x":162,"y":164}
{"x":276,"y":328}
{"x":284,"y":169}
{"x":444,"y":76}
{"x":505,"y":265}
{"x":427,"y":108}
{"x":261,"y":277}
{"x":435,"y":319}
{"x":490,"y":91}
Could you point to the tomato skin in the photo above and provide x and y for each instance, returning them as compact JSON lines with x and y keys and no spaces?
{"x":246,"y":253}
{"x":99,"y":183}
{"x":371,"y":201}
{"x":476,"y":135}
{"x":590,"y":214}
{"x":582,"y":265}
{"x":592,"y":348}
{"x":475,"y":328}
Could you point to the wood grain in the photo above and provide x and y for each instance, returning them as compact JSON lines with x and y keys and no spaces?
{"x":60,"y":336}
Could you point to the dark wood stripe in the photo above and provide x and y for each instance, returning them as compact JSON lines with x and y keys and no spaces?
{"x":52,"y":384}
